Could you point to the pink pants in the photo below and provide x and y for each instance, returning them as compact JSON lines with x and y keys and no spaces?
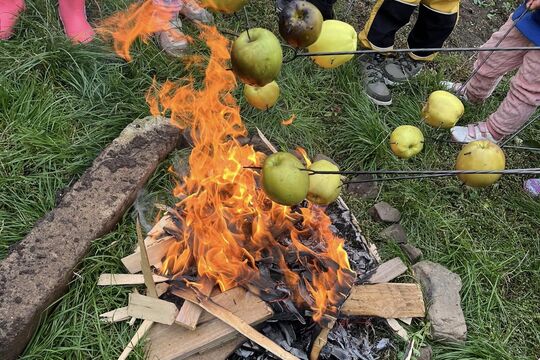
{"x":524,"y":95}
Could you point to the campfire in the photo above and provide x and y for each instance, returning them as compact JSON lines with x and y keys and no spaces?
{"x":225,"y":256}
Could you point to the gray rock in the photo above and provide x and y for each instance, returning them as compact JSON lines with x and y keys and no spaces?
{"x":384,"y":212}
{"x":413,"y":253}
{"x":396,"y":233}
{"x":442,"y":288}
{"x":425,"y":353}
{"x":366,"y":190}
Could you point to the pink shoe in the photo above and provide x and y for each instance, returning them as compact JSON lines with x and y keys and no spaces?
{"x":472,"y":132}
{"x":9,"y":13}
{"x":73,"y":16}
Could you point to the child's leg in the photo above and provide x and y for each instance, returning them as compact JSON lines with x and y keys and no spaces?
{"x":522,"y":99}
{"x":9,"y":13}
{"x":498,"y":63}
{"x":73,"y":16}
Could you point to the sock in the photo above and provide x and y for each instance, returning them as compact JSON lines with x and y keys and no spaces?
{"x":9,"y":13}
{"x":73,"y":16}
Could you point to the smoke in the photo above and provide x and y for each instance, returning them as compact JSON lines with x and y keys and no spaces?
{"x":144,"y":203}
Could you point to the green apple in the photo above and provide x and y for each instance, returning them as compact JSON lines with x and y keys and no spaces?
{"x":263,"y":97}
{"x":283,"y":179}
{"x":224,"y":6}
{"x":323,"y":188}
{"x":406,"y":141}
{"x":300,"y":23}
{"x":256,"y":58}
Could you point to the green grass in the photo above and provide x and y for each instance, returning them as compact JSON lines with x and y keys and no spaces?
{"x":61,"y":104}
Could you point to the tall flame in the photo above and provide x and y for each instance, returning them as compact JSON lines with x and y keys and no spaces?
{"x":228,"y":224}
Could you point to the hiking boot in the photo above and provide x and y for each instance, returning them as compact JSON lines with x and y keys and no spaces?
{"x":374,"y":83}
{"x":173,"y":41}
{"x":400,"y":69}
{"x":194,"y":12}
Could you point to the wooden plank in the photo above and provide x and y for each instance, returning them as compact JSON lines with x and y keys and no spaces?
{"x":386,"y":301}
{"x":126,"y":279}
{"x":156,"y":252}
{"x":237,"y":323}
{"x":176,"y":343}
{"x":385,"y":272}
{"x":221,"y":352}
{"x":145,"y":264}
{"x":150,"y":308}
{"x":115,"y":315}
{"x":161,"y":289}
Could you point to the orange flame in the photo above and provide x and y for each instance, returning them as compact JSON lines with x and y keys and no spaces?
{"x":139,"y":21}
{"x":228,"y":224}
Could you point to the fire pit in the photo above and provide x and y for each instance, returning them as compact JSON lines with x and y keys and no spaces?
{"x":229,"y":258}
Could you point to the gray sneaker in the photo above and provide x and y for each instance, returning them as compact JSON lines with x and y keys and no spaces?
{"x":374,"y":83}
{"x":173,"y":41}
{"x":400,"y":69}
{"x":194,"y":12}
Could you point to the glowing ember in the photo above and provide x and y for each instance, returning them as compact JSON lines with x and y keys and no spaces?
{"x":227,"y":223}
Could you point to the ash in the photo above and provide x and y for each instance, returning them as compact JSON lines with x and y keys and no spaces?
{"x":349,"y":339}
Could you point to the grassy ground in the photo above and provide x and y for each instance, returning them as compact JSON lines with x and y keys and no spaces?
{"x":60,"y":105}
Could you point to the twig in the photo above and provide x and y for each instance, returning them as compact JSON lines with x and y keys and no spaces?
{"x":145,"y":264}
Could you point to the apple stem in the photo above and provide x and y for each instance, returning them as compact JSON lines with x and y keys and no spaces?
{"x":247,"y":23}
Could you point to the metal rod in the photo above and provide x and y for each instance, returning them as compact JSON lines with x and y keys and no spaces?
{"x":523,"y":127}
{"x":429,"y":172}
{"x":371,"y":51}
{"x":415,"y":177}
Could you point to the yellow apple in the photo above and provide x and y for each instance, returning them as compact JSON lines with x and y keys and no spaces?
{"x":480,"y":155}
{"x":284,"y":179}
{"x":323,"y":188}
{"x":442,"y":110}
{"x":335,"y":36}
{"x":264,"y":97}
{"x":406,"y":141}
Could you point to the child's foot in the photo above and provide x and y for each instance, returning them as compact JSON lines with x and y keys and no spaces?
{"x":400,"y":69}
{"x":373,"y":77}
{"x":472,"y":132}
{"x":193,"y":11}
{"x":532,"y":186}
{"x":73,"y":16}
{"x":173,"y":41}
{"x":454,"y":87}
{"x":9,"y":13}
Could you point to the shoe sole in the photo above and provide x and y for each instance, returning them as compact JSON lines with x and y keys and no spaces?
{"x":379,"y":102}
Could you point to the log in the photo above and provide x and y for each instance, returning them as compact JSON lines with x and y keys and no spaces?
{"x":150,"y":308}
{"x":235,"y":322}
{"x":175,"y":342}
{"x":386,"y":301}
{"x":126,"y":279}
{"x":385,"y":272}
{"x":156,"y":251}
{"x":38,"y":269}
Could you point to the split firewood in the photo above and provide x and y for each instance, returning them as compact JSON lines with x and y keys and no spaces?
{"x":151,"y":288}
{"x":235,"y":322}
{"x":115,"y":315}
{"x":222,"y":352}
{"x":157,"y":231}
{"x":150,"y":308}
{"x":397,"y":328}
{"x":176,"y":342}
{"x":322,"y":338}
{"x":189,"y":313}
{"x":126,"y":279}
{"x":141,"y":331}
{"x":385,"y":272}
{"x":156,"y":251}
{"x":386,"y":301}
{"x":161,"y":289}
